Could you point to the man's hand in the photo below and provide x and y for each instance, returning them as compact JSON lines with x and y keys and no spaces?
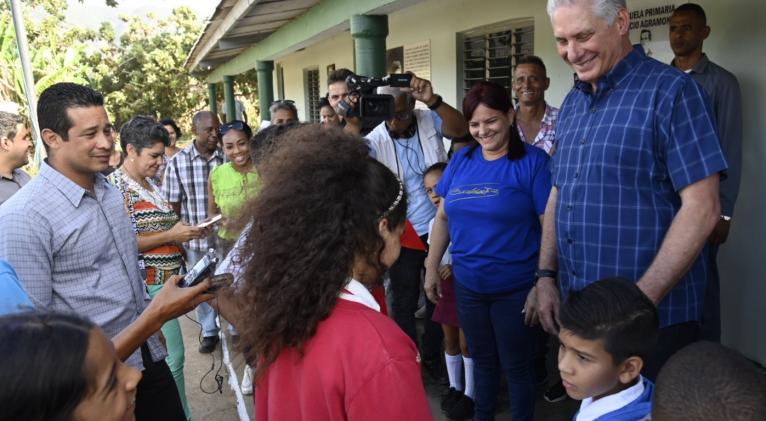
{"x":720,"y":233}
{"x":422,"y":90}
{"x":174,"y":301}
{"x":432,"y":285}
{"x":353,"y":124}
{"x":547,"y":297}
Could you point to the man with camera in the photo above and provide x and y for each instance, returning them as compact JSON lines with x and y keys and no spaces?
{"x":407,"y":144}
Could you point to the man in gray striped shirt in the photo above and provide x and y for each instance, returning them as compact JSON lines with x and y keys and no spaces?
{"x":68,"y":236}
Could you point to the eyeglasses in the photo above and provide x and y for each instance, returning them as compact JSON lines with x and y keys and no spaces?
{"x":234,"y":125}
{"x":403,"y":116}
{"x":283,"y":101}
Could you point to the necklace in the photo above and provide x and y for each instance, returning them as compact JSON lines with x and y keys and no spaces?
{"x":150,"y":195}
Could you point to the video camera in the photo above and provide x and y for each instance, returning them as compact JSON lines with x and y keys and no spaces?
{"x":372,"y":108}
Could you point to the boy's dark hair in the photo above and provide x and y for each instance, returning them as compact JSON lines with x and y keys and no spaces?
{"x":142,"y":132}
{"x":693,"y":8}
{"x":323,"y":102}
{"x":530,"y":59}
{"x":338,"y":75}
{"x":707,"y":381}
{"x":439,"y":166}
{"x":54,"y":102}
{"x":615,"y":311}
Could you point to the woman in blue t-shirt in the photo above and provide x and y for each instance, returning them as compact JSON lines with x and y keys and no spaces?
{"x":494,"y":194}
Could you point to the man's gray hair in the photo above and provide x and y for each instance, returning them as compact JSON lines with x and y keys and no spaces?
{"x":9,"y":124}
{"x":604,"y":9}
{"x":396,"y":93}
{"x":283,"y":105}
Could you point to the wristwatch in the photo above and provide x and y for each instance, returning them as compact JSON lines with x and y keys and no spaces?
{"x":436,"y":104}
{"x":545,"y":273}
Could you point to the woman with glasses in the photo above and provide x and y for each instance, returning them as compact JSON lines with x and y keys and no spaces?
{"x":230,"y":185}
{"x":160,"y":233}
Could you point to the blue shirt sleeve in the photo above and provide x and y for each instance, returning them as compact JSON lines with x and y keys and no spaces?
{"x":13,"y":298}
{"x":444,"y":183}
{"x":691,"y":145}
{"x":540,"y":182}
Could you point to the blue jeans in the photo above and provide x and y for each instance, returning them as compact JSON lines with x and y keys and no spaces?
{"x":498,"y":339}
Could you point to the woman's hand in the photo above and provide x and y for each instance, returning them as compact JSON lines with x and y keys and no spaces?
{"x":445,"y":271}
{"x":183,"y":232}
{"x":432,"y":285}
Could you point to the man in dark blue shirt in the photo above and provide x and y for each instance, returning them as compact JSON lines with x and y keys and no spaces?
{"x":635,"y":175}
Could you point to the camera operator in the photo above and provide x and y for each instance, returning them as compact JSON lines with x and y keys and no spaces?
{"x":407,"y":144}
{"x":337,"y":92}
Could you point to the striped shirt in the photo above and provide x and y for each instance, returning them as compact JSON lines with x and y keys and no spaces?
{"x":75,"y":251}
{"x":623,"y":155}
{"x":546,"y":137}
{"x":186,"y":183}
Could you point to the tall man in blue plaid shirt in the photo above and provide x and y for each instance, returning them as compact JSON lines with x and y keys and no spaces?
{"x":185,"y":188}
{"x":635,"y":175}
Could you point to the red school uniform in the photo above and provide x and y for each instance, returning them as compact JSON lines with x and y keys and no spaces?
{"x":358,"y":366}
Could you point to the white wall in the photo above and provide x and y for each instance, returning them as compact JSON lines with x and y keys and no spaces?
{"x":336,"y":50}
{"x":736,"y":42}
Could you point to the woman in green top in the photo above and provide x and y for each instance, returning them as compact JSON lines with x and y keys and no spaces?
{"x":232,"y":184}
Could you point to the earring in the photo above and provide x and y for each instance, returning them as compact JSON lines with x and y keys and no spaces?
{"x":132,"y":160}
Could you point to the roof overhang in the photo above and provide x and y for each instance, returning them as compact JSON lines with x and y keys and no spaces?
{"x":243,"y":31}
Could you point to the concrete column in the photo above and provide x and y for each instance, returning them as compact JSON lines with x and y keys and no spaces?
{"x":228,"y":98}
{"x":369,"y":33}
{"x":211,"y":98}
{"x":265,"y":72}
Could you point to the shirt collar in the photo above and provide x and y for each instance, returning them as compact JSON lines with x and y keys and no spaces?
{"x":591,"y":410}
{"x":701,"y":67}
{"x":619,"y":72}
{"x":71,"y":190}
{"x":15,"y":173}
{"x":194,"y":153}
{"x":359,"y":293}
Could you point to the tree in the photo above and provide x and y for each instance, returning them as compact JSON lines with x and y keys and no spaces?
{"x":56,"y":51}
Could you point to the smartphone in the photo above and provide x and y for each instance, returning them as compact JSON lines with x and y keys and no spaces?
{"x":220,"y":281}
{"x":201,"y":270}
{"x":211,"y":221}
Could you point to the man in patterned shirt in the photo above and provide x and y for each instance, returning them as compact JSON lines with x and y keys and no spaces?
{"x":635,"y":175}
{"x":536,"y":119}
{"x":185,"y":187}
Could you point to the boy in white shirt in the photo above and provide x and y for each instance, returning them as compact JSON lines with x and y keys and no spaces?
{"x":608,"y":329}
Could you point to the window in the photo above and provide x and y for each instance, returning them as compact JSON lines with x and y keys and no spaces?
{"x":311,"y":83}
{"x":491,"y":52}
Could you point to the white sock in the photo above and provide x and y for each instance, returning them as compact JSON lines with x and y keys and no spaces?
{"x":468,"y":364}
{"x":454,"y":366}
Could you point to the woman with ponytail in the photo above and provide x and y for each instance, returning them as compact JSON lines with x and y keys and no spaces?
{"x":494,"y":195}
{"x":325,"y":227}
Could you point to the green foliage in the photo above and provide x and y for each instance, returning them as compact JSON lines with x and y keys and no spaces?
{"x":141,"y":72}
